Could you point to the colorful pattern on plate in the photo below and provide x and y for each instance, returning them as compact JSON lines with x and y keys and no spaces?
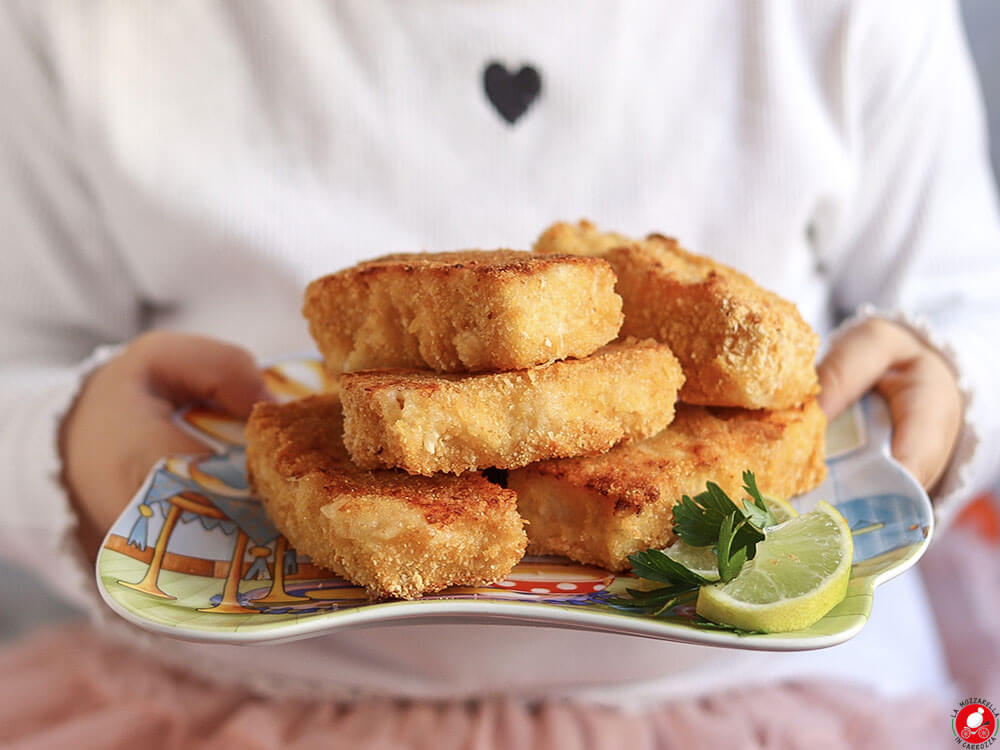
{"x":194,"y":555}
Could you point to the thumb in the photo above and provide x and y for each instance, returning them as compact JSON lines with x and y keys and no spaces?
{"x":184,"y":368}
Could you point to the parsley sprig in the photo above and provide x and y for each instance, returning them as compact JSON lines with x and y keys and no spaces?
{"x":699,"y":521}
{"x":710,"y":518}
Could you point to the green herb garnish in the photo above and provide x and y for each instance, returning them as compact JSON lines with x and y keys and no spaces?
{"x":709,"y":519}
{"x":653,"y":565}
{"x":758,"y":512}
{"x":730,"y":559}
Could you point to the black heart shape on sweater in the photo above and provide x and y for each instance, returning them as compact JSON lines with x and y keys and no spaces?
{"x":511,"y":94}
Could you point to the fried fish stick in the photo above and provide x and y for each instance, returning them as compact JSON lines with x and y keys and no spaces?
{"x":426,"y":423}
{"x":396,"y":535}
{"x":739,"y":344}
{"x":582,"y":238}
{"x":602,"y":509}
{"x":467,"y":311}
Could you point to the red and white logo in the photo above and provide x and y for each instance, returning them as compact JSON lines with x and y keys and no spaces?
{"x":974,"y":723}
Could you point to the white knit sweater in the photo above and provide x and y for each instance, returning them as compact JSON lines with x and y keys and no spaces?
{"x":192,"y":165}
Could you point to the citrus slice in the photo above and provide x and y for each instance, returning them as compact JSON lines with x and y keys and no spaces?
{"x":799,"y":573}
{"x":700,"y":560}
{"x":782,"y":510}
{"x":704,"y":561}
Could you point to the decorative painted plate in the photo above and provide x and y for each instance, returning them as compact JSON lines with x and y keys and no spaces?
{"x":194,"y":555}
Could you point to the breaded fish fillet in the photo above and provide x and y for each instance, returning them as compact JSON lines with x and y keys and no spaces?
{"x":396,"y":535}
{"x":739,"y":344}
{"x":582,"y":238}
{"x":426,"y":423}
{"x":601,"y":509}
{"x":469,"y":311}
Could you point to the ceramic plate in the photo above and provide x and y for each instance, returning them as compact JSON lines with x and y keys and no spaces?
{"x":194,"y":555}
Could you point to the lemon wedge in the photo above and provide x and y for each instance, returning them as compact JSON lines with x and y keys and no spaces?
{"x":700,"y":560}
{"x":782,"y":510}
{"x":703,"y":560}
{"x":800,"y":572}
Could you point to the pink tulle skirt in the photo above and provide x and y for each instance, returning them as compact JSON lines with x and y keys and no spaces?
{"x":72,"y":688}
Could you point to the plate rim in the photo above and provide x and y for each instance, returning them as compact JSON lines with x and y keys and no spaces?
{"x":527,"y":613}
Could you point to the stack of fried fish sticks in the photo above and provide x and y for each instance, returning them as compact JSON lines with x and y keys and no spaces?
{"x":449,"y":364}
{"x":748,"y":402}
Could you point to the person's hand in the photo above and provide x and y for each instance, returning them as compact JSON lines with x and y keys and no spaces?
{"x":919,"y":385}
{"x":121,"y":422}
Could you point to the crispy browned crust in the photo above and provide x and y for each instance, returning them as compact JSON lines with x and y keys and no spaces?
{"x":603,"y":508}
{"x":468,"y":311}
{"x":396,"y":535}
{"x":426,"y":423}
{"x":582,"y":238}
{"x":739,"y":344}
{"x":496,"y":263}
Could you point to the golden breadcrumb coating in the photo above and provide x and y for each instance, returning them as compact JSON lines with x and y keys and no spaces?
{"x":582,"y":238}
{"x":426,"y":423}
{"x":468,"y":311}
{"x":739,"y":344}
{"x":602,"y":509}
{"x":396,"y":535}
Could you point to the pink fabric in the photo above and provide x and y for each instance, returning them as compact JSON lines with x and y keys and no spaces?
{"x":962,"y":574}
{"x":72,"y":689}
